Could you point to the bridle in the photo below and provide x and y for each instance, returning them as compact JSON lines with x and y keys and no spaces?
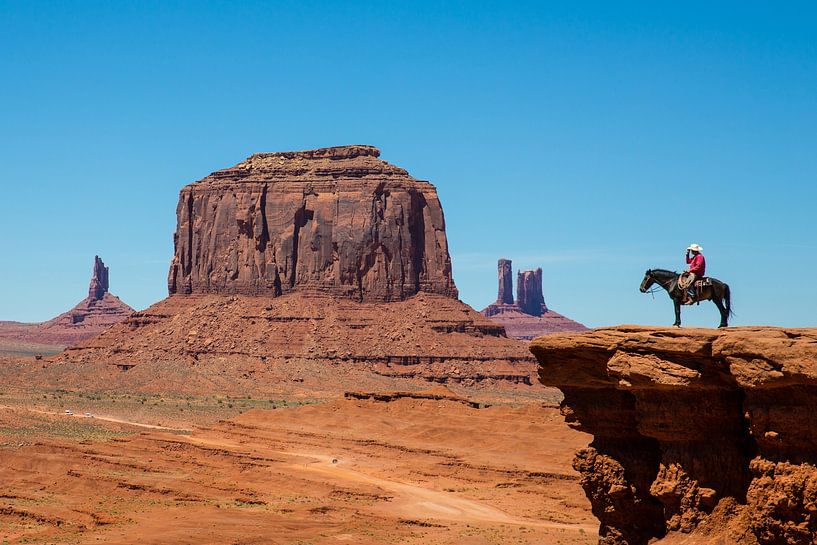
{"x":649,"y":281}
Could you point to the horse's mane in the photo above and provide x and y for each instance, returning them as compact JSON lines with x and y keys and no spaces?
{"x":665,"y":271}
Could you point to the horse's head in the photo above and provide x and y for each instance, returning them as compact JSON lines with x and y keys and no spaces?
{"x":647,"y":282}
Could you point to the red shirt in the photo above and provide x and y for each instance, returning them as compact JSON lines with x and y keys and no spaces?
{"x":697,"y":264}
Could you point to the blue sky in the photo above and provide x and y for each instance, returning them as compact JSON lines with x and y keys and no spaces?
{"x":593,"y":139}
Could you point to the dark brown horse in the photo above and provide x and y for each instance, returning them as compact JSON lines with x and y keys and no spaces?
{"x":716,"y":291}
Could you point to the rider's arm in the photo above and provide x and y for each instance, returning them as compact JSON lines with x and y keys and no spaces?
{"x":695,"y":264}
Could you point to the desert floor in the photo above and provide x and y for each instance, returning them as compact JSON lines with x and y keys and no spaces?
{"x":156,"y":469}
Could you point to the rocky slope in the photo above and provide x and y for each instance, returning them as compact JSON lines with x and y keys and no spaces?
{"x":202,"y":343}
{"x":96,"y":313}
{"x":335,"y":220}
{"x":711,"y":434}
{"x":528,"y":316}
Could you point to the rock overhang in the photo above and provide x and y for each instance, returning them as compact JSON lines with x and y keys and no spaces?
{"x":687,"y":422}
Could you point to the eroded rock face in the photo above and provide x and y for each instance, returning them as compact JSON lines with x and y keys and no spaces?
{"x":529,"y":292}
{"x":695,"y":431}
{"x":337,"y":221}
{"x":99,"y":280}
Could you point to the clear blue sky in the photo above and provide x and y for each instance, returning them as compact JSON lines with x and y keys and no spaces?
{"x":593,"y":139}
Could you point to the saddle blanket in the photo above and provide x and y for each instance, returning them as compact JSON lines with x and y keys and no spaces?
{"x":705,"y":281}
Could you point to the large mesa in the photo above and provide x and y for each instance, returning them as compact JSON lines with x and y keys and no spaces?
{"x":334,"y":220}
{"x":298,"y":267}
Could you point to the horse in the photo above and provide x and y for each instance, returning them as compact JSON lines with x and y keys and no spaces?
{"x":717,"y":292}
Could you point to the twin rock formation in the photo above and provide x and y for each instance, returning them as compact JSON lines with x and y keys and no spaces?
{"x":529,"y":296}
{"x":328,"y":256}
{"x":699,"y":436}
{"x":528,"y":317}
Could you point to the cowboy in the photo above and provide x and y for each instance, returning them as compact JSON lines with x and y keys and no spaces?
{"x":695,"y":270}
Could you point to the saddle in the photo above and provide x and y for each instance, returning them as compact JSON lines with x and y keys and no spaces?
{"x":684,"y":283}
{"x":694,"y":289}
{"x":703,"y":282}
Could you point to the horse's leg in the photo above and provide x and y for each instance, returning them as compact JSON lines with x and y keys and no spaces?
{"x":677,"y":303}
{"x":717,"y":299}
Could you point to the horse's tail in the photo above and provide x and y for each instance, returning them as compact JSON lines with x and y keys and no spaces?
{"x":727,"y":299}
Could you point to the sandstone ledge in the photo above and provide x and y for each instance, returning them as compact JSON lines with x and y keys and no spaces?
{"x":697,"y":431}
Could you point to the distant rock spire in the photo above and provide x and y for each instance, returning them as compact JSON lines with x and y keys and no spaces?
{"x":99,"y":281}
{"x":529,"y":296}
{"x":505,"y":272}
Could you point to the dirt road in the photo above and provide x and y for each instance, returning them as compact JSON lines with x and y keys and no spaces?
{"x":408,"y":471}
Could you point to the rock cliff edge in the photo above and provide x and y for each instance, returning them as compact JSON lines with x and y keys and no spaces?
{"x":708,"y":434}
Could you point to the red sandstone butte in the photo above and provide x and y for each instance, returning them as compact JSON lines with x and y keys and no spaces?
{"x":94,"y":314}
{"x":337,"y":221}
{"x":330,"y":258}
{"x":528,"y":317}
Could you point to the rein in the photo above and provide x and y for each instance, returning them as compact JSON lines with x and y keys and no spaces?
{"x":652,"y":291}
{"x":663,"y":284}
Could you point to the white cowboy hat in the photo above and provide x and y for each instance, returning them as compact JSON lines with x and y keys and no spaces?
{"x":695,"y":248}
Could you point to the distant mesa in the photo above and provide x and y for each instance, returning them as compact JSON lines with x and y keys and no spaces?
{"x":293,"y":265}
{"x":94,"y":314}
{"x":528,"y":317}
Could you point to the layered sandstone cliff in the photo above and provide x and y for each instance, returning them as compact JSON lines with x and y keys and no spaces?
{"x":528,"y":316}
{"x":710,"y":434}
{"x":336,"y":220}
{"x":94,"y":314}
